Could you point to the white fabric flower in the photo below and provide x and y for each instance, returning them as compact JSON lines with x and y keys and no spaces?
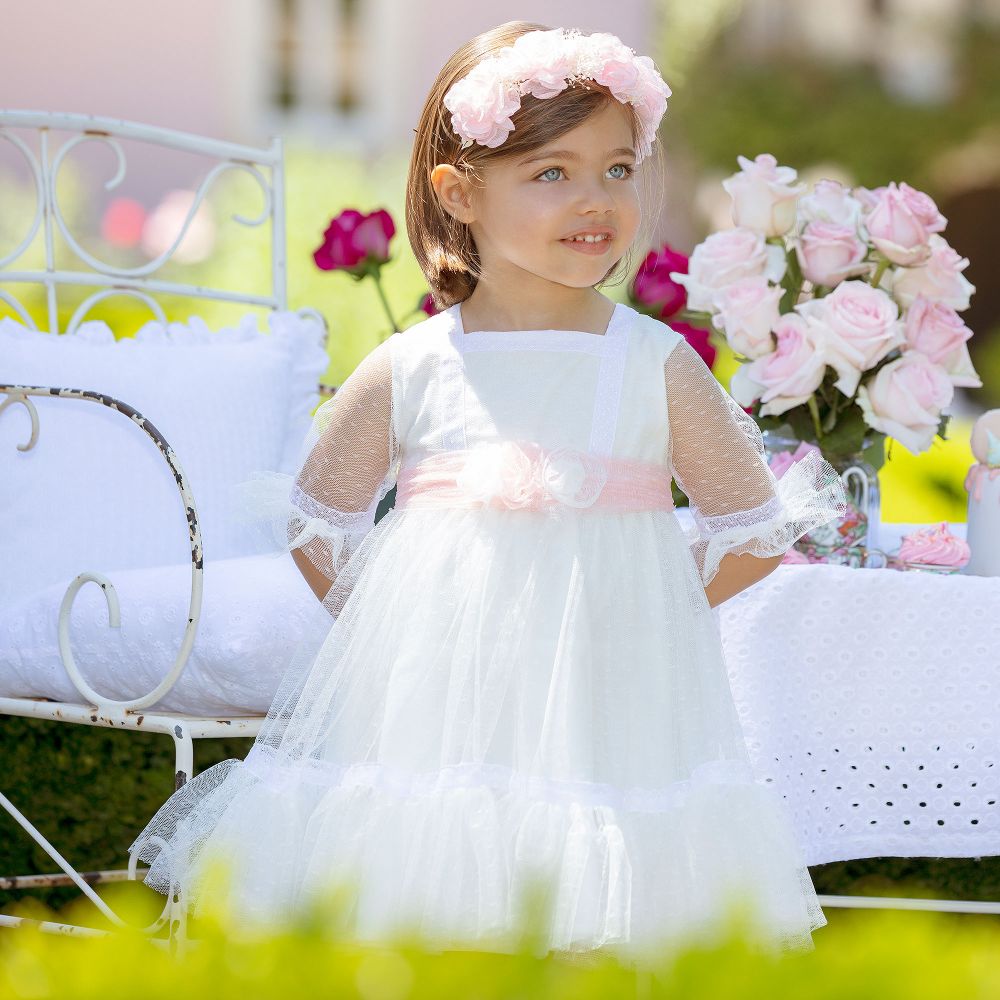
{"x":507,"y":471}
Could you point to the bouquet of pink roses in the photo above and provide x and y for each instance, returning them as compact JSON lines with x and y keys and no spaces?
{"x":842,"y":306}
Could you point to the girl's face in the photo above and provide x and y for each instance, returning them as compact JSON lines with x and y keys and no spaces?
{"x":566,"y":212}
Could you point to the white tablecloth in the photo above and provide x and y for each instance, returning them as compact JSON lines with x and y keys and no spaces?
{"x":871,"y":698}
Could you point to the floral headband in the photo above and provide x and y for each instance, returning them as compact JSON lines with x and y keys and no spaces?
{"x":543,"y":64}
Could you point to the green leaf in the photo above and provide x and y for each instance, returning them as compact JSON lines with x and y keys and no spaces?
{"x":847,"y":438}
{"x":800,"y":421}
{"x":943,"y":426}
{"x":874,"y":454}
{"x":791,"y":282}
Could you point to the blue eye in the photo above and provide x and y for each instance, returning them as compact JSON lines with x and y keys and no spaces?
{"x":624,"y":171}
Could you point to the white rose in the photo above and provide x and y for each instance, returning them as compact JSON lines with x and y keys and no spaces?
{"x":763,"y":194}
{"x":831,"y":202}
{"x":725,"y":257}
{"x":748,"y":311}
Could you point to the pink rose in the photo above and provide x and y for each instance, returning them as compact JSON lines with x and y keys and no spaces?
{"x":902,"y":222}
{"x":828,"y":252}
{"x":937,"y":330}
{"x":858,"y":326}
{"x":427,"y":305}
{"x":868,"y":197}
{"x":616,"y":66}
{"x":482,"y":102}
{"x":905,"y":399}
{"x":781,"y":461}
{"x":786,"y":377}
{"x":763,"y":195}
{"x":725,"y":257}
{"x":653,"y":286}
{"x":355,"y":242}
{"x":543,"y":60}
{"x":748,"y":311}
{"x":830,"y":201}
{"x":619,"y":77}
{"x":939,"y":278}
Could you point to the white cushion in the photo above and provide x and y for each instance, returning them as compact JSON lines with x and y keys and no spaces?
{"x":253,"y":611}
{"x":95,"y":493}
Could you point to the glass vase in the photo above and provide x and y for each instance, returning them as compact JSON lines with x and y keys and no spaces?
{"x":849,"y":539}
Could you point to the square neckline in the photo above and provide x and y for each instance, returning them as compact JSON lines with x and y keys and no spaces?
{"x":615,"y":323}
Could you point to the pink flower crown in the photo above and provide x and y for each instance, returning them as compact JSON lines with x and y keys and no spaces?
{"x":543,"y":64}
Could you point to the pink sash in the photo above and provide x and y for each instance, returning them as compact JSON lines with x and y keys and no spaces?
{"x":523,"y":475}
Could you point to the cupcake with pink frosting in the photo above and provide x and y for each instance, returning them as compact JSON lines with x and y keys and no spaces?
{"x":934,"y":548}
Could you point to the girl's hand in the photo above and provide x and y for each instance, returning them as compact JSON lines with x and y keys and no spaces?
{"x":736,"y":573}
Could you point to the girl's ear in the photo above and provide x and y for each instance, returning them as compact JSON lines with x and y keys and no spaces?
{"x":454,"y":192}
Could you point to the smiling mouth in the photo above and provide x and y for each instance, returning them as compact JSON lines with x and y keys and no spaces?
{"x":589,"y":243}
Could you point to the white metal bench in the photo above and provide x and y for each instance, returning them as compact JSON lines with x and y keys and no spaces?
{"x":44,"y":157}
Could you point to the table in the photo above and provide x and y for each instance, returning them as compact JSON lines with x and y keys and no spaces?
{"x":871,"y":698}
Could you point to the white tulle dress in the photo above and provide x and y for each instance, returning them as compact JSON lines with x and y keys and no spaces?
{"x":516,"y":678}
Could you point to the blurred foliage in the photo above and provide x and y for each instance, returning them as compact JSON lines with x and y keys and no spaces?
{"x":808,"y":111}
{"x":887,"y":955}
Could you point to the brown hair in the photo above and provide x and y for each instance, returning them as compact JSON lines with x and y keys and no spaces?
{"x":443,"y":246}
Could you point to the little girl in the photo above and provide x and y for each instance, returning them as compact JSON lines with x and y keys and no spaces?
{"x":516,"y":677}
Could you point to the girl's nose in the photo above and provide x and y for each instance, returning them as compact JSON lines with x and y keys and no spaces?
{"x":595,"y":197}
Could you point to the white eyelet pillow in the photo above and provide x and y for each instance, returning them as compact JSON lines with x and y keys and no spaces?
{"x":95,"y":493}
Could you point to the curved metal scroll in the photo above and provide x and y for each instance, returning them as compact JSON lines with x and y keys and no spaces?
{"x":264,"y":167}
{"x":21,"y":394}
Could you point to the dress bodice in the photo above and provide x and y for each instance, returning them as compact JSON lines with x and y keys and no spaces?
{"x":602,"y":393}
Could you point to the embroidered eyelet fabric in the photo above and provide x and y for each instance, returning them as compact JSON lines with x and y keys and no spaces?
{"x":878,"y":715}
{"x":515,"y":677}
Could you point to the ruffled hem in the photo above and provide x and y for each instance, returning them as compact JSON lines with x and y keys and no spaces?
{"x":808,"y":495}
{"x":454,"y":856}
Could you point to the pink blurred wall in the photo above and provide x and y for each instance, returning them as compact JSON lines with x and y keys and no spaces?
{"x":203,"y":65}
{"x":153,"y":62}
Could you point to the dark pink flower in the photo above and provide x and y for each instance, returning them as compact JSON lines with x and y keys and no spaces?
{"x":653,"y":287}
{"x":427,"y":305}
{"x":698,"y":339}
{"x":356,"y":242}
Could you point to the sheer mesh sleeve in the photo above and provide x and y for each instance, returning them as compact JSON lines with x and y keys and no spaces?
{"x":717,"y":457}
{"x":349,"y":462}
